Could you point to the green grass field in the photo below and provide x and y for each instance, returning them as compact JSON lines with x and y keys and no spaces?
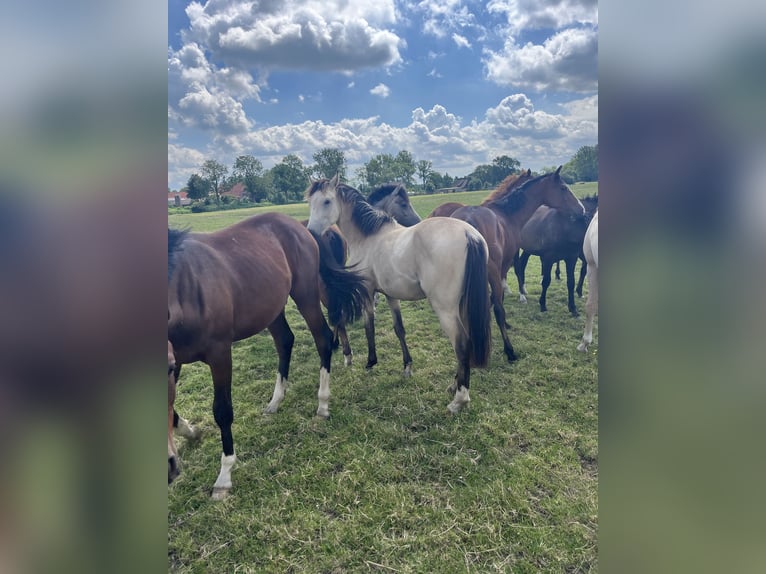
{"x":391,"y":483}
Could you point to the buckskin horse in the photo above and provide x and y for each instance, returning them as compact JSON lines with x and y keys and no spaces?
{"x":441,"y":259}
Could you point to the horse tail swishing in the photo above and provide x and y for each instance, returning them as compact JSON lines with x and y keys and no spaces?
{"x":346,"y":290}
{"x":474,"y":304}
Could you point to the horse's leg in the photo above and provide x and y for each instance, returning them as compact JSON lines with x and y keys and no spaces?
{"x":547,"y":265}
{"x":219,"y":360}
{"x":181,"y":426}
{"x":583,"y":271}
{"x":283,"y":341}
{"x":308,"y":305}
{"x":340,"y":328}
{"x":591,"y":307}
{"x":520,"y":267}
{"x":504,"y":276}
{"x":569,"y":264}
{"x":369,"y":331}
{"x":496,"y":298}
{"x":558,"y":272}
{"x":396,"y":313}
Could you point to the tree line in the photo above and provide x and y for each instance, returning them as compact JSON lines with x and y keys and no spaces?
{"x":287,"y":180}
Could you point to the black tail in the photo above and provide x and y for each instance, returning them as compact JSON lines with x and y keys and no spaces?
{"x":347,"y":292}
{"x":474,"y":303}
{"x":175,"y":238}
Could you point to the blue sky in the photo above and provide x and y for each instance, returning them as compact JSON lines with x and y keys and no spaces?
{"x":454,"y":82}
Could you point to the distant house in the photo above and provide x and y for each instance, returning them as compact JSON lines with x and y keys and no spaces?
{"x":236,"y":191}
{"x":178,"y":198}
{"x":459,"y":185}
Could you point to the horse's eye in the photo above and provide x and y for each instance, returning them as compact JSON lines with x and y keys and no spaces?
{"x":327,"y":202}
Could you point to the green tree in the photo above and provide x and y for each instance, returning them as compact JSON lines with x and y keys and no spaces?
{"x":290,"y":178}
{"x":584,"y":164}
{"x":248,"y":170}
{"x":329,"y":161}
{"x":215,"y":173}
{"x":197,"y":187}
{"x":424,"y":169}
{"x":404,"y":167}
{"x":502,"y":167}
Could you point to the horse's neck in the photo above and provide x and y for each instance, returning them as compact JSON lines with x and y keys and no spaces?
{"x":519,"y":217}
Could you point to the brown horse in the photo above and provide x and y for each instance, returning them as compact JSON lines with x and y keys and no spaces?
{"x":231,"y":284}
{"x":500,"y":219}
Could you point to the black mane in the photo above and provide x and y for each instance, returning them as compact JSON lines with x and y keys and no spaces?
{"x":175,"y":239}
{"x":384,"y":190}
{"x":367,"y":218}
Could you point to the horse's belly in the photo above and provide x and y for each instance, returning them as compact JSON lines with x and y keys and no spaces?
{"x":401,"y":288}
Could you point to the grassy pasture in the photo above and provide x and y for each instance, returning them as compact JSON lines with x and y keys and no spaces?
{"x":391,"y":483}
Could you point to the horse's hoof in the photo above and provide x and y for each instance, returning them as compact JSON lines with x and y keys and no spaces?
{"x":522,"y":298}
{"x":408,"y":371}
{"x":454,"y":409}
{"x":512,"y":358}
{"x":370,"y":365}
{"x":270,"y":410}
{"x":582,"y":347}
{"x":220,"y":493}
{"x":347,"y":359}
{"x":575,"y":313}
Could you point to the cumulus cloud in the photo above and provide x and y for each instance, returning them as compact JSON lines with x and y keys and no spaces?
{"x":461,"y":41}
{"x":513,"y":127}
{"x":567,"y":61}
{"x":328,"y":35}
{"x":442,"y":16}
{"x":182,"y":162}
{"x":545,"y":14}
{"x":516,"y":116}
{"x":381,"y":90}
{"x":202,"y":95}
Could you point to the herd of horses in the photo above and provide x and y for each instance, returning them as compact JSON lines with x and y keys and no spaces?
{"x":228,"y":285}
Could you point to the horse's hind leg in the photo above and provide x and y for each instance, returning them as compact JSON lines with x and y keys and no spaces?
{"x":496,"y":297}
{"x":219,"y":360}
{"x":181,"y":426}
{"x":283,"y":341}
{"x":369,"y":331}
{"x":581,"y":280}
{"x":308,"y":305}
{"x":547,"y":266}
{"x":462,"y":378}
{"x":519,"y":267}
{"x":591,"y":307}
{"x":570,"y":269}
{"x":396,"y":313}
{"x":348,"y":355}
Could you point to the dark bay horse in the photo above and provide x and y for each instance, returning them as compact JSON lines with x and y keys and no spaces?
{"x":500,"y":218}
{"x":553,"y":235}
{"x":441,"y":259}
{"x":231,"y":284}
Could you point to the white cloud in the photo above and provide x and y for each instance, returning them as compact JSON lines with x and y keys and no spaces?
{"x":461,"y":41}
{"x":566,"y":61}
{"x":545,"y":14}
{"x":350,"y":85}
{"x":201,"y":95}
{"x":442,"y":16}
{"x":381,"y":90}
{"x":434,"y":74}
{"x":182,"y":162}
{"x":514,"y":127}
{"x":329,"y":35}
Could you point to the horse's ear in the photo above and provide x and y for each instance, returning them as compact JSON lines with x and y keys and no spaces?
{"x":334,"y":180}
{"x":558,"y":170}
{"x":529,"y":171}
